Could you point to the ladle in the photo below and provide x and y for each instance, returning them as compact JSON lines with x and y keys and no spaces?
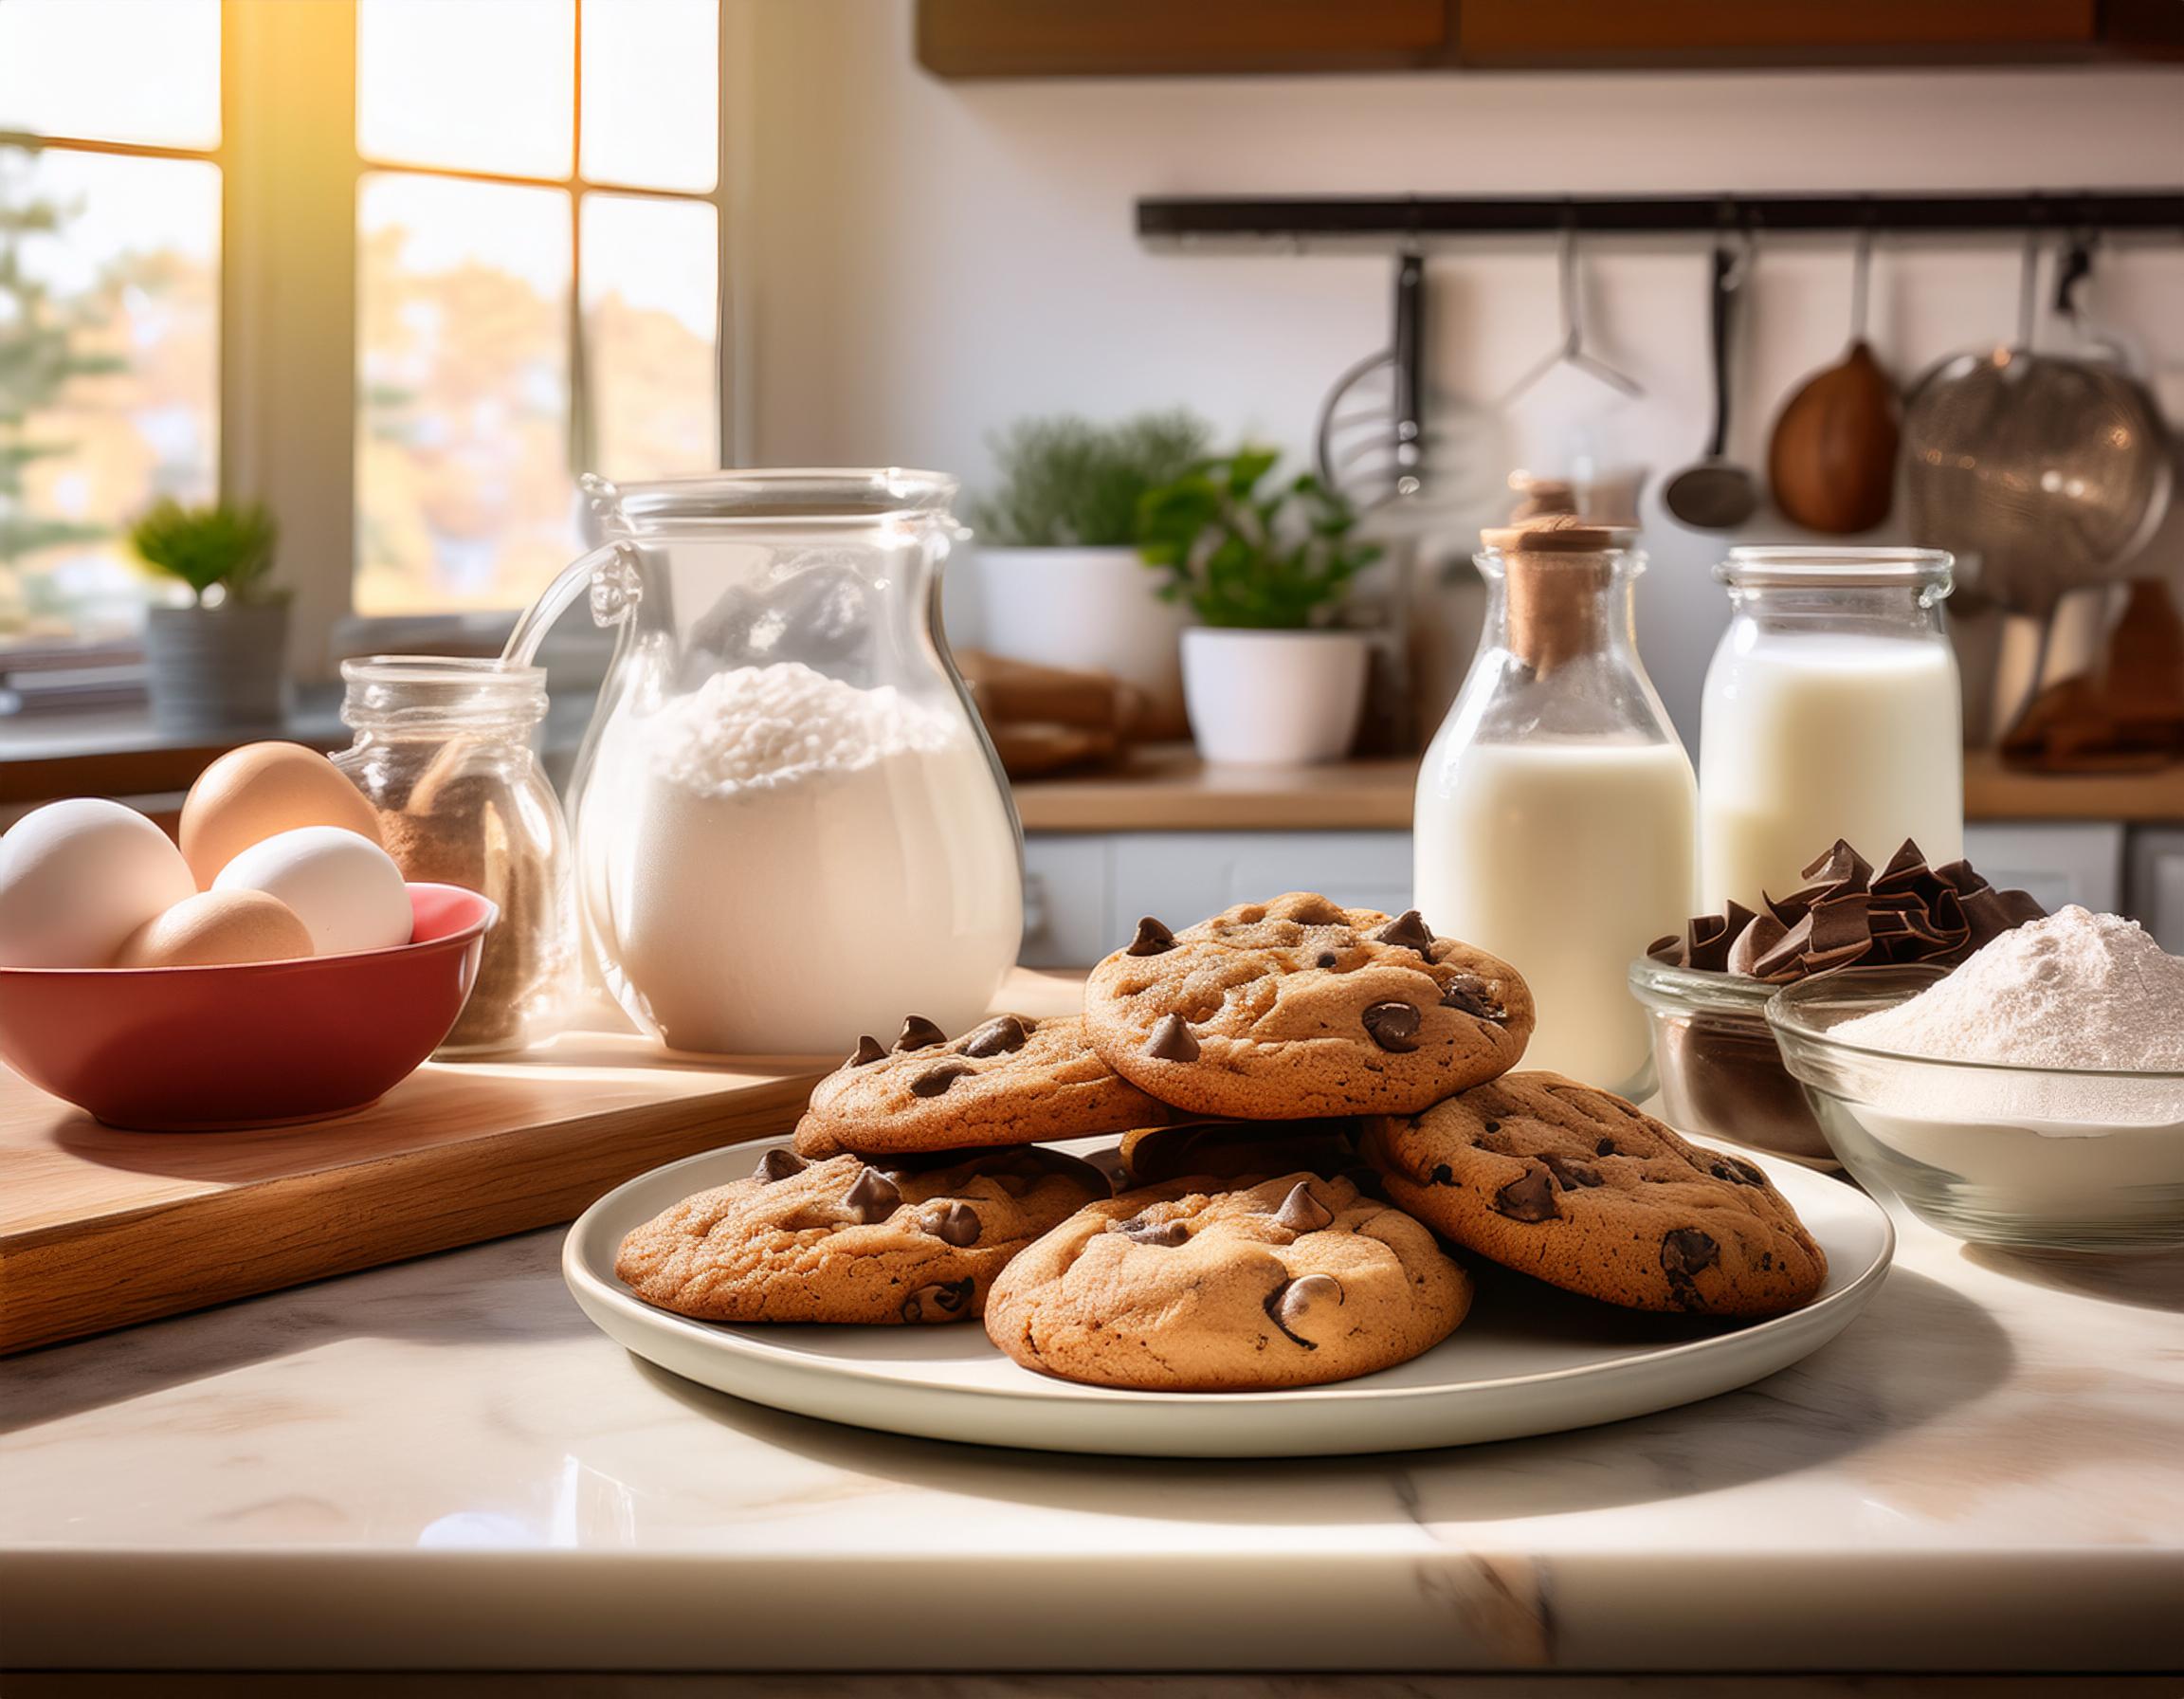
{"x":1717,"y":494}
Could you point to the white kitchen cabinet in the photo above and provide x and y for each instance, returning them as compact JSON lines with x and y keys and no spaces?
{"x":1084,"y":891}
{"x":2059,"y":863}
{"x":2157,"y":886}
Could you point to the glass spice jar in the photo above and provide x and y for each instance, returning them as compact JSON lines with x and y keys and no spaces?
{"x":443,"y":754}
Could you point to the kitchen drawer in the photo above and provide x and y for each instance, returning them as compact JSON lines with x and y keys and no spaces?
{"x":2075,"y":862}
{"x":1084,"y":891}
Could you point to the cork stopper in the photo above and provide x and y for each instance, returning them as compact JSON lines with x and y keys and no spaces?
{"x":1555,"y":567}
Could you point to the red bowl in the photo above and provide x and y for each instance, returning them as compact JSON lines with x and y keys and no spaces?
{"x":178,"y":1049}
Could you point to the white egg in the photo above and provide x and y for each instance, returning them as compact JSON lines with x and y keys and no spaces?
{"x":78,"y":877}
{"x":345,"y":889}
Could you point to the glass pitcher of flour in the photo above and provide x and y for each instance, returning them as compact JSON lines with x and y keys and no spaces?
{"x":789,"y":829}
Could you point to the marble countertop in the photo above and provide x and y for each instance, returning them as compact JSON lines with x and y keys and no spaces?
{"x":442,"y":1465}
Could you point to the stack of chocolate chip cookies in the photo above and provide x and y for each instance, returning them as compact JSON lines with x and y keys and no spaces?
{"x":1310,"y":1101}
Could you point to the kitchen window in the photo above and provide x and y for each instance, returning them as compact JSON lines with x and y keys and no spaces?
{"x":474,"y":247}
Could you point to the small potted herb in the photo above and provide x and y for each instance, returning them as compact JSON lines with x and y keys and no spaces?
{"x":220,"y":663}
{"x":1265,"y":680}
{"x":1059,"y":579}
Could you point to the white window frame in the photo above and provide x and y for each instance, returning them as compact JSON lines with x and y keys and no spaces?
{"x":290,"y":173}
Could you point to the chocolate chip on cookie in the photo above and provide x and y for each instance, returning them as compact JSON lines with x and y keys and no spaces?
{"x":1583,"y":1190}
{"x":1151,"y":939}
{"x":917,"y":1033}
{"x":1012,"y":1080}
{"x":1301,"y":1006}
{"x":1173,"y":1288}
{"x":840,"y":1241}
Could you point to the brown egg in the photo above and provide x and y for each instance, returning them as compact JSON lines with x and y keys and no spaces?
{"x":217,"y":928}
{"x":250,"y":793}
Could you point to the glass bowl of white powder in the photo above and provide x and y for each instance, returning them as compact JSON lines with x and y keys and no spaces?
{"x":2033,"y":1096}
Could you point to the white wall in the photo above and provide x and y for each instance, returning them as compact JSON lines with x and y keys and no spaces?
{"x":924,"y":261}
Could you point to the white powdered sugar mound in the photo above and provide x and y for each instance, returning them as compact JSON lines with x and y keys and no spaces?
{"x":2075,"y":990}
{"x":766,"y":726}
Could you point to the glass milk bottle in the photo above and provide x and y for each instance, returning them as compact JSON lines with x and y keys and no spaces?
{"x":1833,"y":710}
{"x":1555,"y":815}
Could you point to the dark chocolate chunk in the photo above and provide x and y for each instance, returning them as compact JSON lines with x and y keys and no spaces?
{"x":952,"y":1222}
{"x":867,"y":1051}
{"x":1298,"y":1303}
{"x":872,"y":1196}
{"x":1155,"y":1232}
{"x":1528,"y":1197}
{"x":1408,"y":931}
{"x":1605,"y":1148}
{"x":1326,"y":958}
{"x":1172,"y":1041}
{"x":1473,"y":996}
{"x":778,"y":1163}
{"x":948,"y":1301}
{"x":919,"y":1033}
{"x":1706,"y":943}
{"x":998,"y":1036}
{"x":1443,"y":1174}
{"x":1303,"y":1212}
{"x":1392,"y":1026}
{"x":1842,"y":868}
{"x":1755,"y":942}
{"x":1151,"y":938}
{"x":936,"y":1079}
{"x":1685,"y":1250}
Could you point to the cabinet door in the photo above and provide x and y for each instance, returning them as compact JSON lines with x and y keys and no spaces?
{"x":1184,"y":876}
{"x":1095,"y":38}
{"x":1068,"y":895}
{"x":2156,"y":891}
{"x":2080,"y":862}
{"x":1578,"y":34}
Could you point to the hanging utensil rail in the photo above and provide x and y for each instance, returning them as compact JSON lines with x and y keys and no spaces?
{"x":1180,"y":220}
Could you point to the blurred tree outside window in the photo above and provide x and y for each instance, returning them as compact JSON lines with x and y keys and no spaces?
{"x":537,"y":242}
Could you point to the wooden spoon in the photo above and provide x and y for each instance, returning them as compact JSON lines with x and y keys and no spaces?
{"x":1832,"y":460}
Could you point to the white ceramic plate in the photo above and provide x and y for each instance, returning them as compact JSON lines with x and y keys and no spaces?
{"x":1528,"y":1359}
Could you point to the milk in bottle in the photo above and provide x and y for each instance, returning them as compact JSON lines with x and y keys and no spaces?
{"x":1556,"y":812}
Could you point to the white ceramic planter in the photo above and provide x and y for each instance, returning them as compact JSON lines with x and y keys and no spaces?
{"x":1274,"y":698}
{"x":1092,"y":610}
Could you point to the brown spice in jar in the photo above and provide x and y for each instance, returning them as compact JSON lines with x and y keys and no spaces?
{"x":465,"y":838}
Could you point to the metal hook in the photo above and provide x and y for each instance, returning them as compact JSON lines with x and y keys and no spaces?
{"x":1861,"y":269}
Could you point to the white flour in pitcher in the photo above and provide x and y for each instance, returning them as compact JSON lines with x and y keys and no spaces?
{"x":781,"y":861}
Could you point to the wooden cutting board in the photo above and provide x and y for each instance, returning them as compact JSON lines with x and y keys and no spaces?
{"x":101,"y":1227}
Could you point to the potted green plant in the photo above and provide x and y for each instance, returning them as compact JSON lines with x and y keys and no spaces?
{"x":1060,"y":582}
{"x":1265,"y":679}
{"x":220,"y":663}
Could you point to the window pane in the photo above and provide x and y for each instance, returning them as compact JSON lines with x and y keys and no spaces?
{"x":109,"y":374}
{"x":472,"y":84}
{"x":650,"y":300}
{"x":462,"y":491}
{"x":112,"y":70}
{"x":652,"y":93}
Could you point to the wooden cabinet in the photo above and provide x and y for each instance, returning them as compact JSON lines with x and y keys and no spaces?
{"x":1127,"y":38}
{"x":1136,"y":38}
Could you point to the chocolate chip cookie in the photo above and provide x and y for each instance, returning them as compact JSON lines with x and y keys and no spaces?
{"x":1245,"y":1150}
{"x":1010,"y":1080}
{"x":1299,"y":1007}
{"x":1291,"y":1282}
{"x":1578,"y":1188}
{"x":844,"y":1241}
